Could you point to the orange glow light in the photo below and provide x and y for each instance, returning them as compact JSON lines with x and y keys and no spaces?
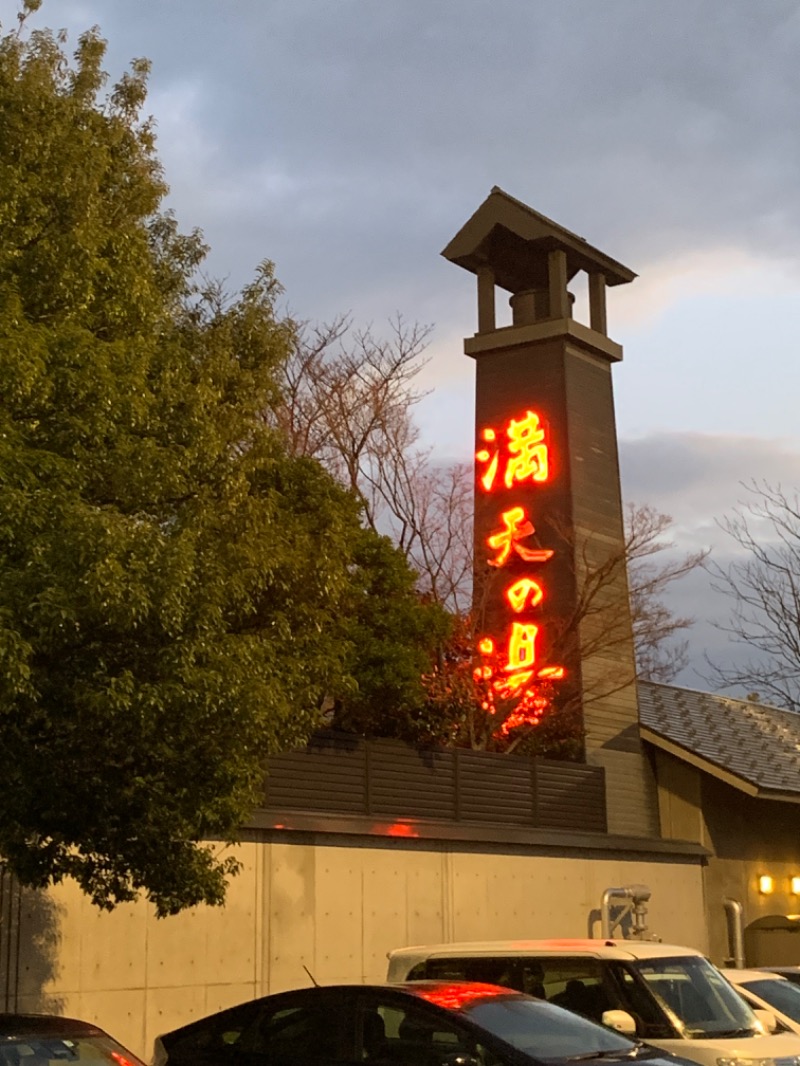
{"x":492,"y":458}
{"x":510,"y":686}
{"x":401,"y":829}
{"x":524,"y":593}
{"x":454,"y":997}
{"x":517,"y":526}
{"x":551,"y":673}
{"x":522,"y":646}
{"x":509,"y":682}
{"x":120,"y":1059}
{"x":527,"y":451}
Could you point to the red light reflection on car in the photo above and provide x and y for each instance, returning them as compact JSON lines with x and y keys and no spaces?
{"x":120,"y":1059}
{"x":454,"y":997}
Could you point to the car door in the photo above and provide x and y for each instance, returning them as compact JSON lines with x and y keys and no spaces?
{"x":311,"y":1027}
{"x":404,"y":1031}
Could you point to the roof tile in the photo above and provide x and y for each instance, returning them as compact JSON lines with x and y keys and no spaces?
{"x":757,"y":743}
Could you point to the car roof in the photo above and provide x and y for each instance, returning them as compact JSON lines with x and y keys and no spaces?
{"x":737,"y":977}
{"x":607,"y":949}
{"x":444,"y":993}
{"x":438,"y":991}
{"x":450,"y":995}
{"x":45,"y":1024}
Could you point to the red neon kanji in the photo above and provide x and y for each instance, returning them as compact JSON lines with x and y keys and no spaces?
{"x":528,"y":452}
{"x":552,"y":673}
{"x":517,"y":527}
{"x":512,"y":678}
{"x":524,"y":593}
{"x":490,"y":457}
{"x":513,"y":684}
{"x":521,"y":646}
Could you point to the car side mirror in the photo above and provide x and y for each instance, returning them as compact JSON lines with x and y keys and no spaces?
{"x":619,"y":1020}
{"x":767,"y":1019}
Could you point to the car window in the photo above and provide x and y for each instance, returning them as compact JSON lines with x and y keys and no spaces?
{"x":652,"y":1022}
{"x":697,"y":996}
{"x":580,"y":983}
{"x":393,"y":1034}
{"x":510,"y":972}
{"x":545,"y":1031}
{"x":301,"y":1030}
{"x":783,"y":996}
{"x":312,"y":1031}
{"x":50,"y":1050}
{"x":210,"y":1040}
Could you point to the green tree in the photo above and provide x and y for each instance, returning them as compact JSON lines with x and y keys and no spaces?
{"x":173,"y":584}
{"x":348,"y":398}
{"x":392,"y":632}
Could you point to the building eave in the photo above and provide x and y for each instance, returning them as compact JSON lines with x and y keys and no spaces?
{"x":714,"y":769}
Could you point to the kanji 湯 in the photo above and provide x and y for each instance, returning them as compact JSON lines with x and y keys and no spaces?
{"x":521,"y":647}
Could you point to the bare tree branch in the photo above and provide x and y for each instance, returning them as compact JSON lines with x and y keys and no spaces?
{"x":764,"y":585}
{"x":348,"y":401}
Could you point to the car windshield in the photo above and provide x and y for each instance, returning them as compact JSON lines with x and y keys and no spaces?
{"x":782,"y":995}
{"x":698,"y":999}
{"x":49,"y":1049}
{"x":547,"y":1031}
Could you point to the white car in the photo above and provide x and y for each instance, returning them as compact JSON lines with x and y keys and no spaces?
{"x":769,"y":991}
{"x":671,"y":997}
{"x":791,"y":973}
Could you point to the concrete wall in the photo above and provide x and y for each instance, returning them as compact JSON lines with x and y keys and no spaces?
{"x":335,"y":907}
{"x":747,"y":837}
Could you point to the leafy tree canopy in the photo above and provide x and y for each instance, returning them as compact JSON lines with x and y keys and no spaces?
{"x":174,"y":588}
{"x":391,"y":632}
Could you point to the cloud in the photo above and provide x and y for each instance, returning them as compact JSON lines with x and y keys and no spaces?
{"x":699,"y":479}
{"x":348,"y":142}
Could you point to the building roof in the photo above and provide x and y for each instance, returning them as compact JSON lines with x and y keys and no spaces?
{"x":753,"y":747}
{"x":514,"y":240}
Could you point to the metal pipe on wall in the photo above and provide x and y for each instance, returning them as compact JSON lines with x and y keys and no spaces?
{"x":635,"y":898}
{"x":734,"y":916}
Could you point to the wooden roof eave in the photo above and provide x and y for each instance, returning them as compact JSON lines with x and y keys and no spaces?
{"x":750,"y":788}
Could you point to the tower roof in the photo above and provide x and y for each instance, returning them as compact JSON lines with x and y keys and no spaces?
{"x":513,"y":240}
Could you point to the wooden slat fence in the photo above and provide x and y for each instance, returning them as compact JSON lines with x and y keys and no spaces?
{"x":389,"y":780}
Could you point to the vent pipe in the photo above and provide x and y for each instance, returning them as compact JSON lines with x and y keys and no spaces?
{"x":734,"y":914}
{"x":632,"y":902}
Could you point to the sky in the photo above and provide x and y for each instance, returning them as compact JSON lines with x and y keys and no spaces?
{"x":349,"y":140}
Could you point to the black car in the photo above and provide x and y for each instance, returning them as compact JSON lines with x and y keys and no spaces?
{"x":424,"y":1023}
{"x":47,"y":1040}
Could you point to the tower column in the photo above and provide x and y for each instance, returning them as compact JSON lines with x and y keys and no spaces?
{"x":486,"y":312}
{"x":597,"y":302}
{"x":548,"y":509}
{"x":557,"y":278}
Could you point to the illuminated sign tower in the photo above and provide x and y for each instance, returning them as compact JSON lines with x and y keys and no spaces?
{"x":554,"y":630}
